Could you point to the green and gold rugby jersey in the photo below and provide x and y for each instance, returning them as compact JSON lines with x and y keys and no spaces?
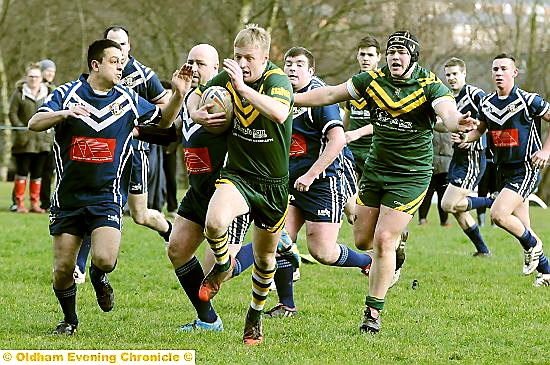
{"x":256,"y":145}
{"x":359,"y":116}
{"x":402,"y":112}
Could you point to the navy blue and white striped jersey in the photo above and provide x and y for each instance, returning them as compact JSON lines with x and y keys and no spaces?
{"x":468,"y":100}
{"x":513,"y":124}
{"x":92,"y":152}
{"x":309,"y":135}
{"x":205,"y":152}
{"x":146,"y":83}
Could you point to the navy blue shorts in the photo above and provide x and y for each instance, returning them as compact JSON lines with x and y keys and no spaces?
{"x":522,"y":178}
{"x":323,"y":202}
{"x":467,"y":168}
{"x":82,"y":221}
{"x":140,"y":169}
{"x":194,"y":206}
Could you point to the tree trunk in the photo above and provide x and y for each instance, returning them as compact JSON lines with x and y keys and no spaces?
{"x":244,"y":17}
{"x":5,"y":135}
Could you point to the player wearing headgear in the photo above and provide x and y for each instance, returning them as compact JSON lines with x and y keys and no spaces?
{"x":468,"y":161}
{"x":358,"y":123}
{"x":405,"y":99}
{"x":512,"y":117}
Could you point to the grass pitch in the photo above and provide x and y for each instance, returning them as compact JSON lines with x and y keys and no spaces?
{"x":464,"y":310}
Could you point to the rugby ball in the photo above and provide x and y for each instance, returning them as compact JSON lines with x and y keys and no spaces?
{"x":221,"y":101}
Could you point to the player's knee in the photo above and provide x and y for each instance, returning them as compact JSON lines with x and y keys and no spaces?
{"x":177,"y":252}
{"x":498,"y":217}
{"x":385,"y":242}
{"x":448,"y":206}
{"x":139,"y":217}
{"x":215,"y":227}
{"x":63,"y":272}
{"x":104,"y":262}
{"x":173,"y":251}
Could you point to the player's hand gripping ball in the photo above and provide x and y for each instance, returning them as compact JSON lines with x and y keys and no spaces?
{"x":221,"y":100}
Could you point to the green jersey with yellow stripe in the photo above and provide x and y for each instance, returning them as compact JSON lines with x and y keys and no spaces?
{"x":257,"y":146}
{"x":359,"y":116}
{"x":402,"y":112}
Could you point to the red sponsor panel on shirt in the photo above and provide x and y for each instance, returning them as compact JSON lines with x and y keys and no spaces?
{"x":298,"y":145}
{"x":505,"y":138}
{"x":93,"y":150}
{"x":197,"y":160}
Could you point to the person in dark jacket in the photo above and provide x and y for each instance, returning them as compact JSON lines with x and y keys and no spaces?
{"x":30,"y":149}
{"x":443,"y":152}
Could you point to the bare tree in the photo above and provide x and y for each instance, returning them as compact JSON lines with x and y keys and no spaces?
{"x":5,"y":135}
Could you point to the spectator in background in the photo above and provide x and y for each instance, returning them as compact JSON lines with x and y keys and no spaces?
{"x":169,"y":164}
{"x":30,"y":149}
{"x":48,"y":72}
{"x":443,"y":152}
{"x":48,"y":75}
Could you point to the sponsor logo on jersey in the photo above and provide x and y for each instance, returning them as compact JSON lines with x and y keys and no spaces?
{"x":323,"y":212}
{"x":360,"y":114}
{"x":487,"y":109}
{"x":92,"y":150}
{"x":505,"y":138}
{"x":251,"y":134}
{"x":115,"y":108}
{"x":298,"y":145}
{"x":197,"y":160}
{"x":280,"y":91}
{"x":259,"y":133}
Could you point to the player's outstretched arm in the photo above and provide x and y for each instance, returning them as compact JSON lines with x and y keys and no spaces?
{"x":452,"y":119}
{"x":471,"y":136}
{"x":181,"y":81}
{"x":45,"y":120}
{"x":323,"y":96}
